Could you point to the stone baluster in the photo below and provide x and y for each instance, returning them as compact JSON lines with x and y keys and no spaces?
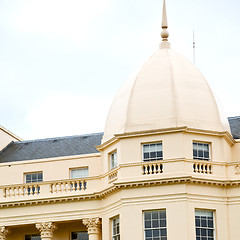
{"x":3,"y":232}
{"x":46,"y":230}
{"x":93,"y":226}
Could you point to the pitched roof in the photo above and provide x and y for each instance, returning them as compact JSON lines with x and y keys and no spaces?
{"x":234,"y":123}
{"x":51,"y":147}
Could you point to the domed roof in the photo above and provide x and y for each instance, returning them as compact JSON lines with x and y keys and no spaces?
{"x":168,"y":91}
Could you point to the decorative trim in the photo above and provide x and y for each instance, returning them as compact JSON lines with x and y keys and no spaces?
{"x":92,"y":224}
{"x":3,"y":232}
{"x":46,"y":229}
{"x":116,"y":137}
{"x":116,"y":186}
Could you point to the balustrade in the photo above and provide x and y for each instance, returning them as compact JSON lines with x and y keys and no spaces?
{"x":24,"y":190}
{"x":68,"y":186}
{"x":152,"y":168}
{"x":113,"y":176}
{"x":200,"y":167}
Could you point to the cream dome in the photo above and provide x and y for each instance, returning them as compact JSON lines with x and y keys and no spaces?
{"x":169,"y":91}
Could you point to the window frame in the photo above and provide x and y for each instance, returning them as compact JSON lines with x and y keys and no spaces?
{"x":117,"y":235}
{"x":214,"y":223}
{"x":159,"y":227}
{"x":78,"y":168}
{"x":112,"y":166}
{"x":28,"y":173}
{"x":78,"y":232}
{"x":32,"y":235}
{"x":149,"y":143}
{"x":209,"y":151}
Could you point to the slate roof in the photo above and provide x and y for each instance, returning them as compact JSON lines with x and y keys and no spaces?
{"x":234,"y":123}
{"x":51,"y":147}
{"x":69,"y":146}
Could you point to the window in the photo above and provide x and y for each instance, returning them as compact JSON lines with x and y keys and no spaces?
{"x":115,"y":229}
{"x":204,"y":224}
{"x":201,"y":151}
{"x":113,"y":160}
{"x":152,"y":152}
{"x":33,"y":237}
{"x":79,"y":236}
{"x":79,"y":172}
{"x":155,"y":225}
{"x":32,"y":178}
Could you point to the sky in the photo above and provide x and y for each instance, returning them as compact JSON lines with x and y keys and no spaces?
{"x":63,"y":61}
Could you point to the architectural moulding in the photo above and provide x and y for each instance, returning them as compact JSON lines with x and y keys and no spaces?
{"x":93,"y":226}
{"x":46,"y":230}
{"x":3,"y":233}
{"x":185,"y":129}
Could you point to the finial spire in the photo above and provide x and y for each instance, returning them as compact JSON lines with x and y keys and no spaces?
{"x":164,"y":16}
{"x":164,"y":33}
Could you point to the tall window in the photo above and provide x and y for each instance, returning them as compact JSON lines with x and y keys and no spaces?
{"x":155,"y":225}
{"x":33,"y":237}
{"x":201,"y":151}
{"x":79,"y":172}
{"x":113,"y":160}
{"x":115,"y":229}
{"x":204,"y":223}
{"x":79,"y":236}
{"x":152,"y":152}
{"x":32,"y":178}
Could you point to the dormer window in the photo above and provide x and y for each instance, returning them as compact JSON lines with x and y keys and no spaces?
{"x":113,"y":160}
{"x":201,"y":151}
{"x":152,"y":151}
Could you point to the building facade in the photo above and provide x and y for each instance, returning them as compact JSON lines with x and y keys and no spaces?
{"x":166,"y":167}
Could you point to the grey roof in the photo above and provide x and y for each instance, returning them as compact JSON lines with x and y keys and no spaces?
{"x":51,"y":147}
{"x":234,"y":123}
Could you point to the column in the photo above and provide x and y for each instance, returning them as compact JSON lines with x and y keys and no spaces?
{"x":46,"y":230}
{"x":3,"y":233}
{"x":93,"y":226}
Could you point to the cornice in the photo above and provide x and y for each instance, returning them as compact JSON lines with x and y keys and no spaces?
{"x":117,"y":186}
{"x":183,"y":129}
{"x":55,"y":159}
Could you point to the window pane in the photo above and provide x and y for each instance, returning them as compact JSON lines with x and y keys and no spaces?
{"x":79,"y":236}
{"x":201,"y":151}
{"x":79,"y":173}
{"x":152,"y":152}
{"x":33,"y":237}
{"x":204,"y":225}
{"x":155,"y":226}
{"x":33,"y":177}
{"x":115,"y":228}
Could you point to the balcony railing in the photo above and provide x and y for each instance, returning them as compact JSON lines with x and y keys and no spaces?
{"x":152,"y":168}
{"x":123,"y":174}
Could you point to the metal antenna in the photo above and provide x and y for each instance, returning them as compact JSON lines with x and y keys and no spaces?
{"x":194,"y":46}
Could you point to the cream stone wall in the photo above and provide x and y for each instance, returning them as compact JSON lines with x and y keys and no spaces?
{"x":126,"y":191}
{"x":53,"y":169}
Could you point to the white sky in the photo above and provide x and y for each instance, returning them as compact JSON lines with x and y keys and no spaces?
{"x":62,"y":61}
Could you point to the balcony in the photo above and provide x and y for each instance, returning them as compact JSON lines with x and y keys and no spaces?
{"x":123,"y":175}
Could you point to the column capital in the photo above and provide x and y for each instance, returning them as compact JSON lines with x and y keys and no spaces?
{"x":46,"y":229}
{"x":3,"y":232}
{"x":92,"y":224}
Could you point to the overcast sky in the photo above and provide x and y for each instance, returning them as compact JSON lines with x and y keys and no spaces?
{"x":62,"y":61}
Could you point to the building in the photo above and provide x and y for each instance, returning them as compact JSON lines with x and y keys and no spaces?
{"x":166,"y":167}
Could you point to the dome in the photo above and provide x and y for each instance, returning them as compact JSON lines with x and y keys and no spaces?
{"x":168,"y":92}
